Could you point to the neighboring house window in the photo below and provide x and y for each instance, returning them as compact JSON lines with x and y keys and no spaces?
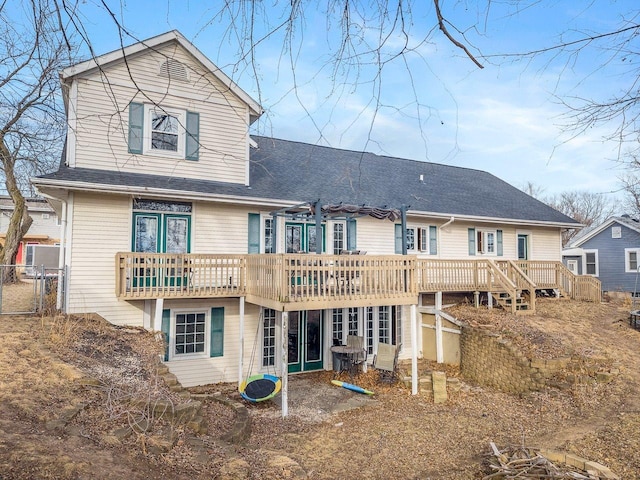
{"x":269,"y":338}
{"x":157,"y":130}
{"x":191,"y":334}
{"x":631,"y":259}
{"x":591,"y":262}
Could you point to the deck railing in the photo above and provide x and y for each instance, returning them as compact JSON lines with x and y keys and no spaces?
{"x":461,"y":276}
{"x":323,"y":280}
{"x":154,"y":275}
{"x":298,"y":278}
{"x":555,"y":275}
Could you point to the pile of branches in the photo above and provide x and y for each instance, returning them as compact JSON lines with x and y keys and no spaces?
{"x":522,"y":462}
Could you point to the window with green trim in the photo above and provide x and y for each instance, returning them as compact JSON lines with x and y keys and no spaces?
{"x":163,"y":131}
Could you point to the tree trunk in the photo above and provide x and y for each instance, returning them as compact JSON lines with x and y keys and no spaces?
{"x":18,"y":224}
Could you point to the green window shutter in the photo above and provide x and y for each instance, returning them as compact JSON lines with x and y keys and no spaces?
{"x":351,"y":234}
{"x":433,"y":240}
{"x":192,"y":149}
{"x":166,"y":329}
{"x":217,"y":332}
{"x":136,"y":127}
{"x":254,"y":233}
{"x":472,"y":241}
{"x":398,"y":235}
{"x":499,"y":242}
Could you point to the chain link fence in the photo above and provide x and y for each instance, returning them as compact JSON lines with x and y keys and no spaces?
{"x":33,"y":289}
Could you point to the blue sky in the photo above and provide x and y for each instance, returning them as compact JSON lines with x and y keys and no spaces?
{"x":435,"y":104}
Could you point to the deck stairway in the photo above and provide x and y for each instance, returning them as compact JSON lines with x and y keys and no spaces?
{"x":522,"y":303}
{"x":515,"y":291}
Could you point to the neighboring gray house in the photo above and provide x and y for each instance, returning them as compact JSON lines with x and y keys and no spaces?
{"x":609,"y":251}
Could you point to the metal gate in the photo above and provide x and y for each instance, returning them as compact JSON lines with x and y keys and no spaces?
{"x":36,"y":290}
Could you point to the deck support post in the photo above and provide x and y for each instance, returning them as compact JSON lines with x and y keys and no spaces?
{"x":439,"y":346}
{"x":489,"y":301}
{"x":284,"y":395}
{"x":157,"y":317}
{"x":241,"y":326}
{"x":414,"y":350}
{"x":476,"y":299}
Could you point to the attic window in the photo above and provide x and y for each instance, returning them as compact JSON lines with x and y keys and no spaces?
{"x":174,"y":70}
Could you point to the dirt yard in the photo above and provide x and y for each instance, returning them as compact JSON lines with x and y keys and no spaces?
{"x":48,"y":365}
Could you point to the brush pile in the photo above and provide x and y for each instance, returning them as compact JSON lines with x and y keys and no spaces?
{"x":527,"y":463}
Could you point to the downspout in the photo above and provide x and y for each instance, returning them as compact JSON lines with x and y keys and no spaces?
{"x":447,"y":223}
{"x":61,"y":254}
{"x":62,"y":278}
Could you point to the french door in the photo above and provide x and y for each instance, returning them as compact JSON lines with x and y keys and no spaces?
{"x":160,"y":233}
{"x":305,"y":341}
{"x":302,"y":238}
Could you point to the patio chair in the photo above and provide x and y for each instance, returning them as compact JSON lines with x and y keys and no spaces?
{"x":386,"y":362}
{"x":358,"y":354}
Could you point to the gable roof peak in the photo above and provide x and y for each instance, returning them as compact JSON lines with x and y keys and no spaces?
{"x":153,"y":43}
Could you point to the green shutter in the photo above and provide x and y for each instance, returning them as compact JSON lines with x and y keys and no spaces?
{"x":499,"y":242}
{"x":166,"y":329}
{"x":192,"y":149}
{"x":398,"y":235}
{"x":351,"y":234}
{"x":136,"y":123}
{"x":433,"y":240}
{"x":254,"y":233}
{"x":217,"y":332}
{"x":472,"y":241}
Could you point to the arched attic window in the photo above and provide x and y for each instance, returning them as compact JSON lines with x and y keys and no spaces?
{"x":174,"y":70}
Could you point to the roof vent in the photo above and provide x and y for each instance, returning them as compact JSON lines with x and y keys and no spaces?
{"x":421,"y":178}
{"x":174,"y":70}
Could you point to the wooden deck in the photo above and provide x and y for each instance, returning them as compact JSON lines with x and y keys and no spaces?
{"x":302,"y":282}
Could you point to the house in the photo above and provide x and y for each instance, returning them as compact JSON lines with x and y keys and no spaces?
{"x":608,"y":251}
{"x":41,"y":240}
{"x":178,"y":220}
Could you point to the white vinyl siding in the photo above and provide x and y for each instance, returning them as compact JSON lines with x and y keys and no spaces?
{"x":101,"y":137}
{"x":208,"y":370}
{"x":376,"y":237}
{"x":92,"y":272}
{"x":219,"y":228}
{"x":544,"y":243}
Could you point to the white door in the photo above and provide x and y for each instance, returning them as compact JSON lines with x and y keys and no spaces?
{"x":572,"y":265}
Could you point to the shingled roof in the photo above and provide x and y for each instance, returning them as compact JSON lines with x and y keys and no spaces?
{"x":284,"y":171}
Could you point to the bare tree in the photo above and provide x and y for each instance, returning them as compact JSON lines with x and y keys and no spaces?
{"x":588,"y":208}
{"x":533,"y":190}
{"x":33,"y":49}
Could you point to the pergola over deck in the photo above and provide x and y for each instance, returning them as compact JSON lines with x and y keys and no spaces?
{"x":320,"y":213}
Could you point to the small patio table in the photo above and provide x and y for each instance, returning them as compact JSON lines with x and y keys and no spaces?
{"x":348,"y":355}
